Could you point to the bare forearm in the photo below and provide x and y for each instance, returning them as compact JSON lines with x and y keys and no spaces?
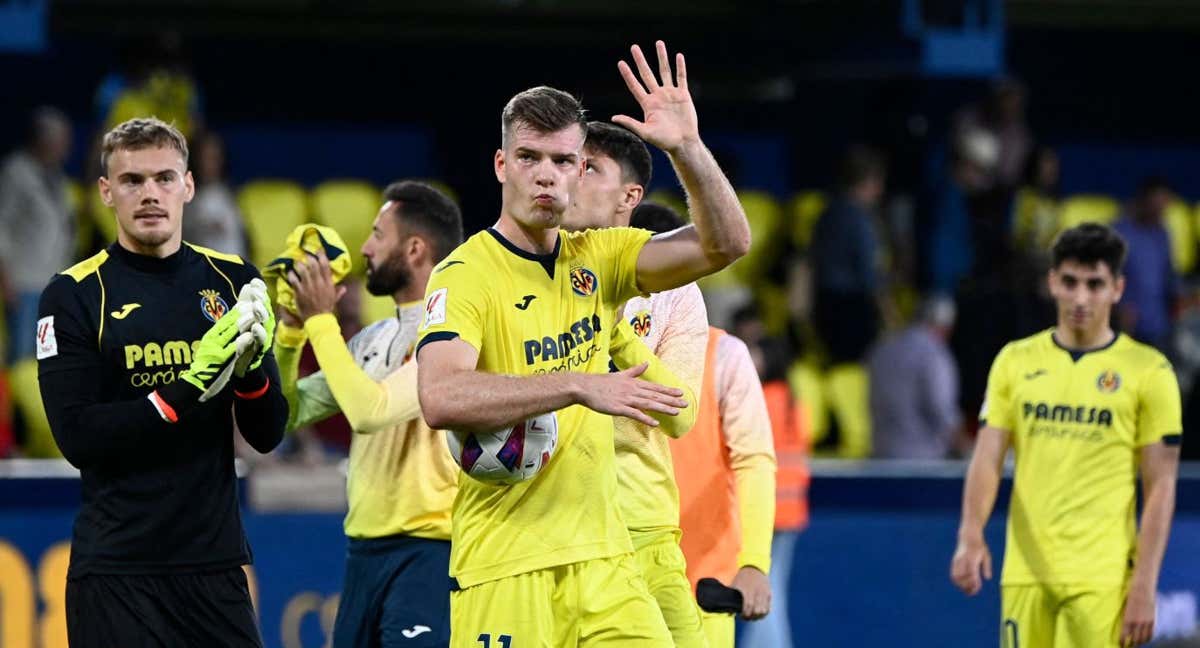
{"x":979,"y":495}
{"x":1152,"y":536}
{"x":712,"y":202}
{"x":479,"y":401}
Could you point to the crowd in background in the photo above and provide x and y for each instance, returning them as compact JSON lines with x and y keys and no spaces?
{"x":876,"y":305}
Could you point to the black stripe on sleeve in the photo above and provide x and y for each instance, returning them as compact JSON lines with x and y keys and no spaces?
{"x":437,"y":336}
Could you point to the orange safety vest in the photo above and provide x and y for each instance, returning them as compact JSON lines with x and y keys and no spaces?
{"x":788,"y":423}
{"x":708,"y":512}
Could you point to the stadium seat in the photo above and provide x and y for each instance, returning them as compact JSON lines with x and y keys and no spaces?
{"x":804,"y":209}
{"x":804,"y":377}
{"x":27,"y":399}
{"x":348,"y":206}
{"x":846,"y":391}
{"x":1035,"y":221}
{"x":1182,"y":232}
{"x":271,"y":209}
{"x":764,"y":214}
{"x":1085,"y":208}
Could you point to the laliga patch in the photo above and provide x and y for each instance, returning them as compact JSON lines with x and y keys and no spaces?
{"x":435,"y":307}
{"x":47,"y":344}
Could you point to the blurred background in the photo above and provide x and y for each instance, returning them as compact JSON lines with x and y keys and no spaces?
{"x":904,"y":165}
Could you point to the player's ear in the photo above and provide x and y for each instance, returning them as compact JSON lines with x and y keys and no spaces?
{"x":105,"y":191}
{"x":634,"y":193}
{"x":189,"y":185}
{"x":1118,"y":288}
{"x":499,"y":164}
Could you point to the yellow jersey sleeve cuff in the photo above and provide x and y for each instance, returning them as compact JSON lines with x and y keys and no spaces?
{"x":321,"y":323}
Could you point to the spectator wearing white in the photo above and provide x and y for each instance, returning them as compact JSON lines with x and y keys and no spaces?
{"x":914,"y":388}
{"x":37,"y":229}
{"x":212,"y":218}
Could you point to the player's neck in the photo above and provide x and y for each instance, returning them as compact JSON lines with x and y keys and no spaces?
{"x":171,"y":246}
{"x":534,"y":241}
{"x":414,"y":291}
{"x":1083,"y":339}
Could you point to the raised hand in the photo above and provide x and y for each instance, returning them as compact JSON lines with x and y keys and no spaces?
{"x":669,"y":116}
{"x":312,"y":281}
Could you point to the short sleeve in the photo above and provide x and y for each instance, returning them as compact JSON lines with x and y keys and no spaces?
{"x":455,"y":303}
{"x":621,"y":246}
{"x":997,"y":411}
{"x":1159,"y":416}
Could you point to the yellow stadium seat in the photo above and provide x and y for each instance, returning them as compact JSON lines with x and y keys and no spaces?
{"x":271,"y":209}
{"x":848,"y":398}
{"x":804,"y":377}
{"x":804,"y":209}
{"x":348,"y":206}
{"x":27,"y":398}
{"x":1088,"y":208}
{"x":764,"y":214}
{"x":1181,"y":231}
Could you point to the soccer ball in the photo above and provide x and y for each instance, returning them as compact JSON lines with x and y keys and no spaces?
{"x":509,"y":455}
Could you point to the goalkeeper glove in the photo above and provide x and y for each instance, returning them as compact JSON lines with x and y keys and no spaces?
{"x":209,"y":372}
{"x":258,"y":319}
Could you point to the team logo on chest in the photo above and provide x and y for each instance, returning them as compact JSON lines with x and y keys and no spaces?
{"x":1108,"y":382}
{"x":641,"y":323}
{"x":583,"y":281}
{"x":212,"y":305}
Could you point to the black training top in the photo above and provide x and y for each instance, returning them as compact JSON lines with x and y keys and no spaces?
{"x":157,"y":496}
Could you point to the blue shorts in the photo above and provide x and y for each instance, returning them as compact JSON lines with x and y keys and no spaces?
{"x":396,"y":593}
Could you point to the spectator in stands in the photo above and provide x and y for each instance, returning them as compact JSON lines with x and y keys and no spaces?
{"x":951,"y":249}
{"x":1151,"y":286}
{"x":914,"y":388}
{"x":846,"y":260}
{"x":1001,"y":115}
{"x":37,"y":229}
{"x":212,"y":218}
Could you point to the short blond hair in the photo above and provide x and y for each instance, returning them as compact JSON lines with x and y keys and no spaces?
{"x":142,"y":133}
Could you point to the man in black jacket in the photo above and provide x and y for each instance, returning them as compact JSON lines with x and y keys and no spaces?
{"x":137,"y":349}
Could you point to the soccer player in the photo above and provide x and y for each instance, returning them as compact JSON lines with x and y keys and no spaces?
{"x":131,"y":346}
{"x":673,"y":324}
{"x":1084,"y":408}
{"x":725,"y":471}
{"x":401,"y":479}
{"x":510,"y":332}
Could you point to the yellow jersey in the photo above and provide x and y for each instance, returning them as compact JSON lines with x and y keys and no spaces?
{"x":1077,"y":423}
{"x":531,"y":314}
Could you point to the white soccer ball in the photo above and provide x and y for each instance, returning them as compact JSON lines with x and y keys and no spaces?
{"x":506,"y":456}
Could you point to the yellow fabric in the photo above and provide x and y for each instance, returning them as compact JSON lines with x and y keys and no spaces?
{"x":27,"y":398}
{"x":595,"y":603}
{"x":805,"y":208}
{"x":664,"y":569}
{"x":306,"y":239}
{"x":1035,"y":220}
{"x":847,"y":396}
{"x":271,"y":209}
{"x":719,"y":629}
{"x":756,"y":505}
{"x":401,"y":478}
{"x":569,"y":512}
{"x":348,"y":206}
{"x":1077,"y":428}
{"x":167,"y":95}
{"x":764,"y":215}
{"x":1061,"y":616}
{"x":1087,"y":208}
{"x":670,"y":329}
{"x":1178,"y":221}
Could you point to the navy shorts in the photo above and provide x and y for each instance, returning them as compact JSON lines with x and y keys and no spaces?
{"x":396,"y":593}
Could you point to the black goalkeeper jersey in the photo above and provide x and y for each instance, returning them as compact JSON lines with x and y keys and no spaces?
{"x":157,"y":496}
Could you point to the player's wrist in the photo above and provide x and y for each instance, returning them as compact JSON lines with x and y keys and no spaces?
{"x":689,"y":148}
{"x":173,"y":402}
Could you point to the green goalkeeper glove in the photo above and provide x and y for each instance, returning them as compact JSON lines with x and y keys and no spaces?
{"x":212,"y":366}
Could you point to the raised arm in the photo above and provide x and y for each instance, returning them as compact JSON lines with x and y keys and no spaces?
{"x":979,"y":496}
{"x":720,"y":233}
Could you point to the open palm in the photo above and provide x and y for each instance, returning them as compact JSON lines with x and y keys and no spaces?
{"x":669,"y":116}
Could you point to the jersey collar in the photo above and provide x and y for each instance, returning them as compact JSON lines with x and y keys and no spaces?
{"x":148,"y":264}
{"x":546,"y":260}
{"x":1076,"y":354}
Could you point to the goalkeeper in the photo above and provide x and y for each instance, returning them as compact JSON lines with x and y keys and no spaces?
{"x":147,"y":354}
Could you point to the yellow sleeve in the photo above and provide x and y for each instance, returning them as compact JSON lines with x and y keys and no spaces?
{"x":1159,"y":416}
{"x":997,"y":410}
{"x":621,"y":245}
{"x":627,"y":350}
{"x":309,"y":399}
{"x":454,"y":304}
{"x":369,"y":406}
{"x":751,"y":443}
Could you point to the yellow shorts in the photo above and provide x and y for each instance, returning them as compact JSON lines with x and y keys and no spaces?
{"x":719,"y":629}
{"x":602,"y":602}
{"x":1061,"y":616}
{"x":665,"y":571}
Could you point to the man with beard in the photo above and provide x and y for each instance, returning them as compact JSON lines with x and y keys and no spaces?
{"x":401,"y":480}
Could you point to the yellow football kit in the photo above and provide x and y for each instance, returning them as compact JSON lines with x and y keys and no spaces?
{"x":543,"y":543}
{"x":1077,"y":423}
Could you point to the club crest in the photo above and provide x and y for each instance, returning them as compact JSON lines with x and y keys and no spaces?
{"x":212,"y":305}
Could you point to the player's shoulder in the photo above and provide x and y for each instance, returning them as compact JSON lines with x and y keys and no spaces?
{"x":1137,"y":356}
{"x":84,"y":269}
{"x":1033,"y":346}
{"x":589,"y":239}
{"x":231,"y":264}
{"x":468,"y":256}
{"x":731,"y":345}
{"x":370,"y":333}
